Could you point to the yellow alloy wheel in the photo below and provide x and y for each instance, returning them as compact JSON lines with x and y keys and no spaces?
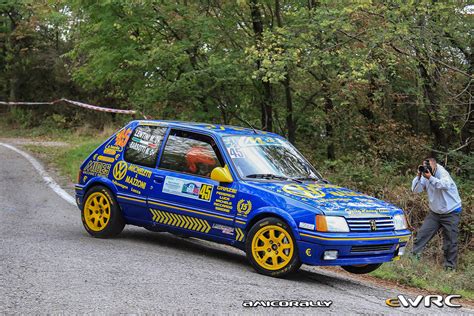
{"x":97,"y":211}
{"x":272,"y":247}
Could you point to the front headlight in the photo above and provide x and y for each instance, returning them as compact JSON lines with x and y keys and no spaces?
{"x":331,"y":224}
{"x":400,"y":222}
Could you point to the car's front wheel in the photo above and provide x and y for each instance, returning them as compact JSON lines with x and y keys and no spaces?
{"x":362,"y":269}
{"x":101,"y":215}
{"x":271,"y":248}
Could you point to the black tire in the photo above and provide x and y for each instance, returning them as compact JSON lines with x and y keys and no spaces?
{"x":289,"y":265}
{"x":102,"y":227}
{"x":362,"y":269}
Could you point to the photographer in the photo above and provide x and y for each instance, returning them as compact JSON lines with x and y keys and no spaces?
{"x":445,"y":210}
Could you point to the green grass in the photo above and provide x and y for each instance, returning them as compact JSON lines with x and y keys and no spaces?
{"x":426,"y":274}
{"x":69,"y":158}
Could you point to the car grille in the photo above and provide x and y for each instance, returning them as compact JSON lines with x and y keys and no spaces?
{"x":371,"y":248}
{"x":367,"y":224}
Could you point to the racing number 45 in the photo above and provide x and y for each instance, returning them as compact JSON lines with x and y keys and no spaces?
{"x":205,"y":192}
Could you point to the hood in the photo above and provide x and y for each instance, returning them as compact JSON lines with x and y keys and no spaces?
{"x":331,"y":199}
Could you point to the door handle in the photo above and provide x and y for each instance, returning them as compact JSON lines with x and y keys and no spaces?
{"x":158,"y":179}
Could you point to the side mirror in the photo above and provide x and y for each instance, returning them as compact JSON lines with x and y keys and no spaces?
{"x":221,"y":174}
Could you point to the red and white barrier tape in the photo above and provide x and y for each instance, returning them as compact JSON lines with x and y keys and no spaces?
{"x":76,"y":103}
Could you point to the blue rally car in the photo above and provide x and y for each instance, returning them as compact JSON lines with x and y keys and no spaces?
{"x":246,"y":188}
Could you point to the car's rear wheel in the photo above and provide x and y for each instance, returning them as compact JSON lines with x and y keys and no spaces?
{"x":101,"y":215}
{"x":271,"y":248}
{"x":362,"y":268}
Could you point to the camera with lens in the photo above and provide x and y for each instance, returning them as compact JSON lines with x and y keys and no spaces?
{"x":425,"y":167}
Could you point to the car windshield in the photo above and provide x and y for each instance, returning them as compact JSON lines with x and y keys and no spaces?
{"x":268,"y":157}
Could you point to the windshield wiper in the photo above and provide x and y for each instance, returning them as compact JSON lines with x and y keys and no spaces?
{"x":308,"y":178}
{"x":277,"y":177}
{"x":267,"y":176}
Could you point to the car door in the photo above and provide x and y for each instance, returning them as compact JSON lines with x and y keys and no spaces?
{"x":187,"y":198}
{"x":132,"y":174}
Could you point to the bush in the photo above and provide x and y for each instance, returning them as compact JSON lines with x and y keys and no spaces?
{"x":22,"y":117}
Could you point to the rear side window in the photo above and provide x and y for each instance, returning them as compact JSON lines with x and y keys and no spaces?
{"x":191,"y":153}
{"x":143,"y":146}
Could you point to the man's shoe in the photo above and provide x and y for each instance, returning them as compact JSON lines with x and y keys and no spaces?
{"x":449,"y":269}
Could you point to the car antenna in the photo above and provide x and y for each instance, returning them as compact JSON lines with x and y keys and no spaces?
{"x":240,"y":119}
{"x":246,"y":122}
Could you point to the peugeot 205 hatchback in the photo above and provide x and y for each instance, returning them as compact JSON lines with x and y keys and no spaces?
{"x":236,"y":186}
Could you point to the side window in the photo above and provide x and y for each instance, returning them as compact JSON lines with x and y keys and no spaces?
{"x":191,"y":153}
{"x":143,"y":147}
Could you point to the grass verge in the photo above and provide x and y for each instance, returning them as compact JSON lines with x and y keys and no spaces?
{"x":73,"y":147}
{"x":67,"y":159}
{"x":428,"y":275}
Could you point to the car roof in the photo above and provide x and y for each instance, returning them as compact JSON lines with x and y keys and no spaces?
{"x":221,"y":130}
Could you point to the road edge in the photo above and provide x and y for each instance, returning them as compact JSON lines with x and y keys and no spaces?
{"x":50,"y":182}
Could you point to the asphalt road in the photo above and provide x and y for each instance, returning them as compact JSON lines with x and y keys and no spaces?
{"x":49,"y":264}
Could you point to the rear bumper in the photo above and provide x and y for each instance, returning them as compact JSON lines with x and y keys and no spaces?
{"x":79,"y":195}
{"x":352,"y":248}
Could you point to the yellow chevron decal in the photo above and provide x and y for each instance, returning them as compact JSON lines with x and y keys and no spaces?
{"x":202,"y":226}
{"x":159,"y":217}
{"x":154,"y":212}
{"x":196,"y":226}
{"x":178,"y":219}
{"x":173,"y":219}
{"x":193,"y":220}
{"x":185,"y":222}
{"x":182,"y":221}
{"x":189,"y":210}
{"x":169,"y":220}
{"x":188,"y":223}
{"x":207,"y":226}
{"x":165,"y":217}
{"x":239,"y":234}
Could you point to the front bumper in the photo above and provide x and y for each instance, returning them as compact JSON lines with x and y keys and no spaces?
{"x":352,"y":248}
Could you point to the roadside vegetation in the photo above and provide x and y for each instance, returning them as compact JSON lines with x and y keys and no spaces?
{"x":364,"y":89}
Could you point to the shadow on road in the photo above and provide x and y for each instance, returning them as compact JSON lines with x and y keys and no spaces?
{"x":216,"y":251}
{"x":306,"y":276}
{"x":191,"y":245}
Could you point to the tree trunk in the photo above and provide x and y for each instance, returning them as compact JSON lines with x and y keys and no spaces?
{"x":328,"y":107}
{"x":266,"y":102}
{"x":429,"y":91}
{"x":13,"y":81}
{"x":290,"y":124}
{"x":468,"y":128}
{"x":12,"y":85}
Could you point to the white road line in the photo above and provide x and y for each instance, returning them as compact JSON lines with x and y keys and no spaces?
{"x":47,"y":179}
